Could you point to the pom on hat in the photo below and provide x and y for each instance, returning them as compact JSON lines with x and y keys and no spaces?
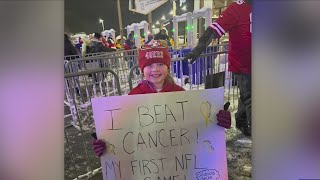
{"x":154,"y":52}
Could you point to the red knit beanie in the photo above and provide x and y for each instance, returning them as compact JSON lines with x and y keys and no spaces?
{"x":153,"y":53}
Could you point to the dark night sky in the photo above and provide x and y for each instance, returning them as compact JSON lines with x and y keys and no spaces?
{"x":83,"y":15}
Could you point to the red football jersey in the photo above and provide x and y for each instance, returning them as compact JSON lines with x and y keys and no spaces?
{"x":236,"y":20}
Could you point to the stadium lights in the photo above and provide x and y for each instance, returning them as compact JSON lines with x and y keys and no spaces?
{"x":101,"y":21}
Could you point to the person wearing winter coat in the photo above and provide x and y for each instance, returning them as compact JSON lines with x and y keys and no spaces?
{"x":111,"y":43}
{"x":129,"y":42}
{"x":69,"y":48}
{"x":149,"y":39}
{"x":163,"y":35}
{"x":97,"y":45}
{"x":236,"y":20}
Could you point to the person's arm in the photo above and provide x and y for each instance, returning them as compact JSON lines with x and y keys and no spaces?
{"x":218,"y":28}
{"x":204,"y":41}
{"x":105,"y":49}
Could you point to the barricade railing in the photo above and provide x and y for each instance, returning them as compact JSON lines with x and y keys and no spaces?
{"x":134,"y":51}
{"x":210,"y":70}
{"x":130,"y":52}
{"x":80,"y":87}
{"x":182,"y":69}
{"x":119,"y":61}
{"x":122,"y":61}
{"x":71,"y":57}
{"x":131,"y":79}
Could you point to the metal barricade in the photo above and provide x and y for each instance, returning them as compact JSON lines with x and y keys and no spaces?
{"x":80,"y":87}
{"x":133,"y":80}
{"x":122,"y":61}
{"x":118,"y":61}
{"x":71,"y":57}
{"x":210,"y":70}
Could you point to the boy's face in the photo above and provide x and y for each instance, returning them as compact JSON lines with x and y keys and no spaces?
{"x":156,"y":73}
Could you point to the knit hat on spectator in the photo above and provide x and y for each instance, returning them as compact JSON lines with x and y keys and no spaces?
{"x":154,"y":52}
{"x":97,"y":35}
{"x":150,"y":36}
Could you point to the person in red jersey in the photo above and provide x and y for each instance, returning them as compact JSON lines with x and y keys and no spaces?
{"x":236,"y":20}
{"x":154,"y":61}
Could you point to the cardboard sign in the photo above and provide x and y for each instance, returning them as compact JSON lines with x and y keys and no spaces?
{"x":145,"y":6}
{"x":162,"y":136}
